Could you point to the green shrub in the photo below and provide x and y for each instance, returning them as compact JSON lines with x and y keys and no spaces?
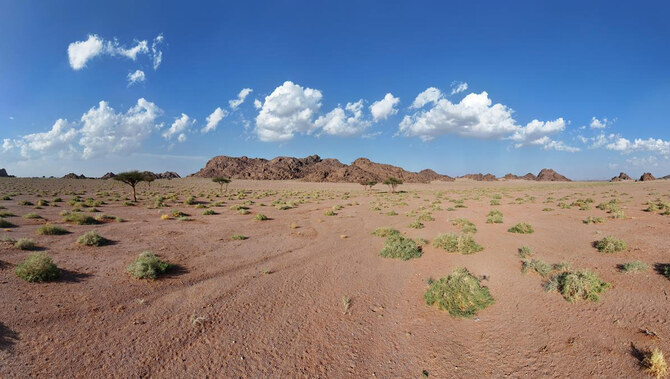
{"x":190,"y":200}
{"x":238,"y":237}
{"x":521,"y":228}
{"x":399,"y":246}
{"x":525,"y":252}
{"x":38,"y":267}
{"x":208,"y":212}
{"x":384,"y":232}
{"x":25,"y":203}
{"x":542,"y":268}
{"x":457,"y":243}
{"x":632,"y":267}
{"x":51,"y":230}
{"x":6,"y":214}
{"x":260,"y":217}
{"x":147,"y":266}
{"x":330,"y":213}
{"x":610,"y":245}
{"x":416,"y":225}
{"x":91,"y":238}
{"x":6,"y":224}
{"x":494,"y":217}
{"x":80,"y":219}
{"x":31,"y":216}
{"x":466,"y":225}
{"x":25,"y":244}
{"x":577,"y":285}
{"x":594,"y":220}
{"x":460,"y":293}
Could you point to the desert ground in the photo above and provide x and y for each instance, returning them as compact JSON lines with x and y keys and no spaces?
{"x":307,"y":294}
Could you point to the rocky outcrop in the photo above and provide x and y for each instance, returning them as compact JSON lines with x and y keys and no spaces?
{"x":622,"y":177}
{"x":108,"y":175}
{"x":74,"y":176}
{"x":665,"y":177}
{"x":549,"y":175}
{"x":3,"y":173}
{"x":646,"y":177}
{"x":528,"y":176}
{"x":480,"y":177}
{"x":312,"y":169}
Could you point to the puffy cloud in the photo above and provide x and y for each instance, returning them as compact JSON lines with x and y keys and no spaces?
{"x":57,"y":140}
{"x":258,"y":104}
{"x":288,"y":110}
{"x":136,"y":77}
{"x":157,"y":54}
{"x":458,"y":87}
{"x":81,"y":51}
{"x":240,"y":98}
{"x":430,"y":95}
{"x":616,"y":142}
{"x":105,"y":131}
{"x":384,"y":108}
{"x":178,"y":127}
{"x":214,"y":119}
{"x":345,"y":122}
{"x":600,"y":124}
{"x":536,"y":130}
{"x":474,"y":116}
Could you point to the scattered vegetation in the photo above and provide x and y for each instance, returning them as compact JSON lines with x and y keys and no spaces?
{"x":460,"y":293}
{"x":633,"y":267}
{"x":38,"y":267}
{"x":457,"y":243}
{"x":260,"y":217}
{"x":594,"y":220}
{"x":525,"y":252}
{"x":494,"y":217}
{"x":80,"y":219}
{"x":25,"y":244}
{"x":384,"y":232}
{"x":393,"y":183}
{"x":51,"y":230}
{"x":577,"y":285}
{"x":399,"y":246}
{"x":6,"y":224}
{"x":655,"y":364}
{"x":521,"y":228}
{"x":92,"y":238}
{"x":466,"y":225}
{"x":147,"y":266}
{"x":238,"y":237}
{"x":133,"y":178}
{"x":610,"y":245}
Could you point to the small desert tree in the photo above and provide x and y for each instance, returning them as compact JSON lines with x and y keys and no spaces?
{"x":392,"y":183}
{"x":221,"y":181}
{"x":148,"y":177}
{"x":369,"y":184}
{"x":132,"y":178}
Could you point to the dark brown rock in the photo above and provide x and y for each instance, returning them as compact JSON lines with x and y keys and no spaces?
{"x":647,"y":176}
{"x":622,"y":177}
{"x":549,"y":175}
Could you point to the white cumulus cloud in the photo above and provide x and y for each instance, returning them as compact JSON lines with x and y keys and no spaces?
{"x":136,"y":77}
{"x":178,"y":127}
{"x":59,"y":140}
{"x":240,"y":98}
{"x":80,"y":52}
{"x":600,"y":123}
{"x":382,"y":109}
{"x":157,"y":54}
{"x":288,"y":110}
{"x":345,"y":122}
{"x":214,"y":119}
{"x":430,"y":96}
{"x":105,"y":131}
{"x":458,"y":87}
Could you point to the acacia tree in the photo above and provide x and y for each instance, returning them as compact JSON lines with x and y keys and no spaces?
{"x":221,"y":181}
{"x":392,"y":183}
{"x":367,"y":184}
{"x":132,"y":178}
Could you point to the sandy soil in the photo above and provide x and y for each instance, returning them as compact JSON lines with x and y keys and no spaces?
{"x":271,"y":306}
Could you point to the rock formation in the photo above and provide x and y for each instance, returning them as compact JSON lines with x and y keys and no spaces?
{"x":647,"y":176}
{"x":622,"y":177}
{"x":549,"y":175}
{"x":313,"y":169}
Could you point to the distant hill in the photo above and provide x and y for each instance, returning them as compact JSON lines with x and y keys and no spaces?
{"x":312,"y":169}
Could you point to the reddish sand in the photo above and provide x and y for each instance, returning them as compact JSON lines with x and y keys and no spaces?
{"x":271,"y":306}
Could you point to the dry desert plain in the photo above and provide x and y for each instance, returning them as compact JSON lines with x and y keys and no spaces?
{"x":307,"y":293}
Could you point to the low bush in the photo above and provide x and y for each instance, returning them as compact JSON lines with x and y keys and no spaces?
{"x":92,"y":238}
{"x":6,"y":224}
{"x":655,"y":365}
{"x":147,"y":266}
{"x":32,"y":216}
{"x":610,"y":245}
{"x":38,"y":267}
{"x":466,"y":225}
{"x":494,"y":217}
{"x":633,"y":267}
{"x":399,"y":246}
{"x":525,"y":252}
{"x":80,"y":219}
{"x":260,"y":217}
{"x":577,"y":285}
{"x":460,"y":293}
{"x":51,"y":230}
{"x":208,"y":212}
{"x":384,"y":232}
{"x":594,"y":220}
{"x":521,"y":228}
{"x":416,"y":225}
{"x":238,"y":237}
{"x":457,"y":243}
{"x":25,"y":244}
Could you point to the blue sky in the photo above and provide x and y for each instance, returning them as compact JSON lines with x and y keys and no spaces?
{"x":458,"y":87}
